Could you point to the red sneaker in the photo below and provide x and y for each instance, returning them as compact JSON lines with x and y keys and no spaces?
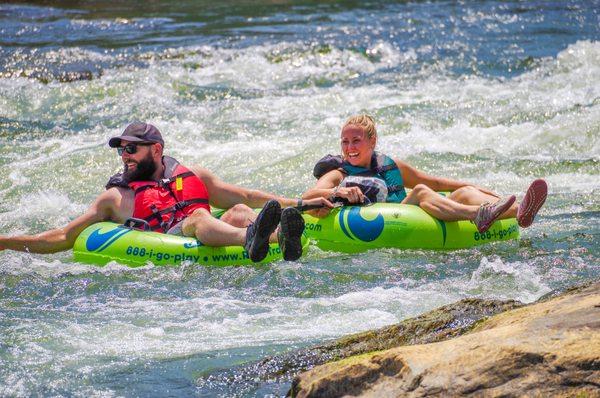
{"x":533,"y":200}
{"x":488,"y":212}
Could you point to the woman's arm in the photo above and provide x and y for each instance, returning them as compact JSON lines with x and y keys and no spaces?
{"x":328,"y":186}
{"x":412,"y":177}
{"x":325,"y":186}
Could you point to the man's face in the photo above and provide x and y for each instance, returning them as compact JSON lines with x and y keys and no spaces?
{"x":140,"y":165}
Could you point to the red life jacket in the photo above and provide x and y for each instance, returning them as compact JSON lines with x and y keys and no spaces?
{"x":168,"y":201}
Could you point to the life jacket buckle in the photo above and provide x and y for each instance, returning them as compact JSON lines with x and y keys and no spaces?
{"x":181,"y":205}
{"x":137,"y":223}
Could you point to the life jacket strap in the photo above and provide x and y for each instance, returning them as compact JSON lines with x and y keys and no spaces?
{"x":154,"y":216}
{"x":165,"y":225}
{"x":164,"y":182}
{"x":157,"y":214}
{"x":185,"y":203}
{"x":386,"y":168}
{"x":143,"y":188}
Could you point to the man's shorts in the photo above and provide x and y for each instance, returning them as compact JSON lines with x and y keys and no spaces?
{"x":176,"y":229}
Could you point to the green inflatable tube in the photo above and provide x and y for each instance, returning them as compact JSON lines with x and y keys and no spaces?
{"x":349,"y":229}
{"x":353,"y":229}
{"x":104,"y":242}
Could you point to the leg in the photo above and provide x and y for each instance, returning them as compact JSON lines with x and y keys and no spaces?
{"x":239,"y":215}
{"x":212,"y":231}
{"x":469,"y":195}
{"x":439,"y":206}
{"x":448,"y":210}
{"x":242,"y":216}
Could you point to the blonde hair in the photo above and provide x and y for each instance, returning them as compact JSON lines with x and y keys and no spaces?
{"x":365,"y":121}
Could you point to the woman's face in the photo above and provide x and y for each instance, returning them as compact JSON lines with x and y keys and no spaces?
{"x":357,"y":147}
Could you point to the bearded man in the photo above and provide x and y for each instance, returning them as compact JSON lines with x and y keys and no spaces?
{"x":165,"y":196}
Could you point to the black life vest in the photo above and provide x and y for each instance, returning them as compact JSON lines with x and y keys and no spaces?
{"x":382,"y":167}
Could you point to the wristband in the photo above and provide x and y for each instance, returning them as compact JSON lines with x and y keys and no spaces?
{"x":334,"y":193}
{"x":299,"y":204}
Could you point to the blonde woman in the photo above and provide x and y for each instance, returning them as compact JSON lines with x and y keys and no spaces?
{"x":361,"y":174}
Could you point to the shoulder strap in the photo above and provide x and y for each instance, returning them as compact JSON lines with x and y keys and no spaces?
{"x":117,"y":180}
{"x":169,"y":175}
{"x":326,"y":164}
{"x":381,"y":163}
{"x":171,"y":172}
{"x":170,"y":166}
{"x":388,"y":169}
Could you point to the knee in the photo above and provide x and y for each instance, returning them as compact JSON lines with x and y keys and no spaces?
{"x":240,"y":208}
{"x":199,"y":214}
{"x":422,"y":190}
{"x":463,"y":193}
{"x":194,"y":219}
{"x":239,"y":215}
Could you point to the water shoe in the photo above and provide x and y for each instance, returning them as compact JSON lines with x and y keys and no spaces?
{"x":533,"y":200}
{"x":488,"y":212}
{"x":258,"y":233}
{"x":290,"y":233}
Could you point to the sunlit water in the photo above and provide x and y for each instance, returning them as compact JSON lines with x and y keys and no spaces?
{"x":496,"y":93}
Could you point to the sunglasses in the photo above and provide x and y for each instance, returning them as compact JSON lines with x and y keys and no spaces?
{"x":129,"y":148}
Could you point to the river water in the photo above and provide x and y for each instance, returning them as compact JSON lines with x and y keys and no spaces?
{"x":496,"y":93}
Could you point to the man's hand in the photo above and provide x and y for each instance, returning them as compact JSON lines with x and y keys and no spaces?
{"x":324,"y":206}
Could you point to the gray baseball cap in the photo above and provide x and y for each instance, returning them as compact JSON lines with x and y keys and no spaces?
{"x":138,"y":132}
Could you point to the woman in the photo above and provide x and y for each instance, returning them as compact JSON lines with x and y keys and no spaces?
{"x":360,"y":170}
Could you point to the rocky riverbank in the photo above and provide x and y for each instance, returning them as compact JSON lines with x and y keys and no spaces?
{"x":437,"y":325}
{"x":548,"y":348}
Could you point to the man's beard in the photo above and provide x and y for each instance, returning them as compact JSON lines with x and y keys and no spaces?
{"x":143,"y":172}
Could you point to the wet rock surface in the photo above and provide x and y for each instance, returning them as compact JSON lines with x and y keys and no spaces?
{"x":549,"y":348}
{"x":436,"y":325}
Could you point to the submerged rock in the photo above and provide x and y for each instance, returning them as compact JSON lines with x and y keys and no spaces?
{"x":550,"y":348}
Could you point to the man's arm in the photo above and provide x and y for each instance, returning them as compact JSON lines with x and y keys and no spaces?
{"x":225,"y":196}
{"x":107,"y":206}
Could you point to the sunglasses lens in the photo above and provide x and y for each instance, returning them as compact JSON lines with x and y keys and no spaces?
{"x":129,"y":148}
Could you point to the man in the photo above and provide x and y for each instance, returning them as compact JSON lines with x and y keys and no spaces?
{"x":165,"y":196}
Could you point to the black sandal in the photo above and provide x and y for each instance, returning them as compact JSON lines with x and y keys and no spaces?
{"x":290,"y":234}
{"x":258,"y":233}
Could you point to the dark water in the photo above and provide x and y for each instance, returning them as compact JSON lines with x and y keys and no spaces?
{"x":496,"y":93}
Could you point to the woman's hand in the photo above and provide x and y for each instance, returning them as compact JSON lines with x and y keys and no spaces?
{"x":352,"y":194}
